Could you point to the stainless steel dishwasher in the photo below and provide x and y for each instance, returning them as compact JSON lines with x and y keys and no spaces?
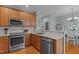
{"x":46,"y":45}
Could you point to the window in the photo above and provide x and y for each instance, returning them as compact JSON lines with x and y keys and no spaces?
{"x":47,"y":26}
{"x":58,"y":27}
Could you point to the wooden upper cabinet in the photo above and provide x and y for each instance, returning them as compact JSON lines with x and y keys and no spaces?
{"x":12,"y":13}
{"x":22,"y":15}
{"x":19,"y":15}
{"x":7,"y":13}
{"x":4,"y":16}
{"x":4,"y":46}
{"x":33,"y":20}
{"x":30,"y":19}
{"x":27,"y":19}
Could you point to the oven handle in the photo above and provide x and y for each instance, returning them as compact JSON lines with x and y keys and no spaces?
{"x":16,"y":36}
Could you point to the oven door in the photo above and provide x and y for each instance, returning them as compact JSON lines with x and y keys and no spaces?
{"x":16,"y":41}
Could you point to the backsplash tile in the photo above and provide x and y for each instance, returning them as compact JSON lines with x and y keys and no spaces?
{"x":16,"y":30}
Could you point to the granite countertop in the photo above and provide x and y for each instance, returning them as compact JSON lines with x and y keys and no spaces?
{"x":50,"y":35}
{"x":4,"y":35}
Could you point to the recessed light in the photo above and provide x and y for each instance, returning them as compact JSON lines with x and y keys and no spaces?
{"x":27,"y":6}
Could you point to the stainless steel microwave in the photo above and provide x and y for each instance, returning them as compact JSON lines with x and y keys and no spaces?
{"x":16,"y":22}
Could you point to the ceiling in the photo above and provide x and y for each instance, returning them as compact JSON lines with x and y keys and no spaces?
{"x":54,"y":10}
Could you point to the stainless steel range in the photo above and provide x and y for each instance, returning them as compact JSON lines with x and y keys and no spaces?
{"x":16,"y":41}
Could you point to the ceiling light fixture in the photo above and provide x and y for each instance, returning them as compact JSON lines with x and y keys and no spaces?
{"x":72,"y":18}
{"x":69,"y":18}
{"x":75,"y":17}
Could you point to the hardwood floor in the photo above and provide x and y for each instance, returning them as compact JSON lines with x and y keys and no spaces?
{"x":28,"y":50}
{"x":71,"y":49}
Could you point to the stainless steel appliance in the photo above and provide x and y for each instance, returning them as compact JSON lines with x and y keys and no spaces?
{"x":16,"y":22}
{"x":46,"y":45}
{"x":16,"y":41}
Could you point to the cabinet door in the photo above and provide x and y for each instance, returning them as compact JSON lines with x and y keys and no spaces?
{"x":33,"y":20}
{"x":3,"y":44}
{"x":4,"y":16}
{"x":18,"y":15}
{"x":22,"y":15}
{"x":27,"y":39}
{"x":58,"y":46}
{"x":38,"y":42}
{"x":12,"y":13}
{"x":33,"y":38}
{"x":27,"y":19}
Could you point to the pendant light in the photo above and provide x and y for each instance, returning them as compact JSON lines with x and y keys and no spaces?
{"x":72,"y":16}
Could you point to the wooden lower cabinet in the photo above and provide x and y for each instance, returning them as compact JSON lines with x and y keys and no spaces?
{"x":4,"y":46}
{"x":27,"y":39}
{"x":36,"y":42}
{"x":33,"y":38}
{"x":58,"y":46}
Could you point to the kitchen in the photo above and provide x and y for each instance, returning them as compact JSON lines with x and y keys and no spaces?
{"x":32,"y":29}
